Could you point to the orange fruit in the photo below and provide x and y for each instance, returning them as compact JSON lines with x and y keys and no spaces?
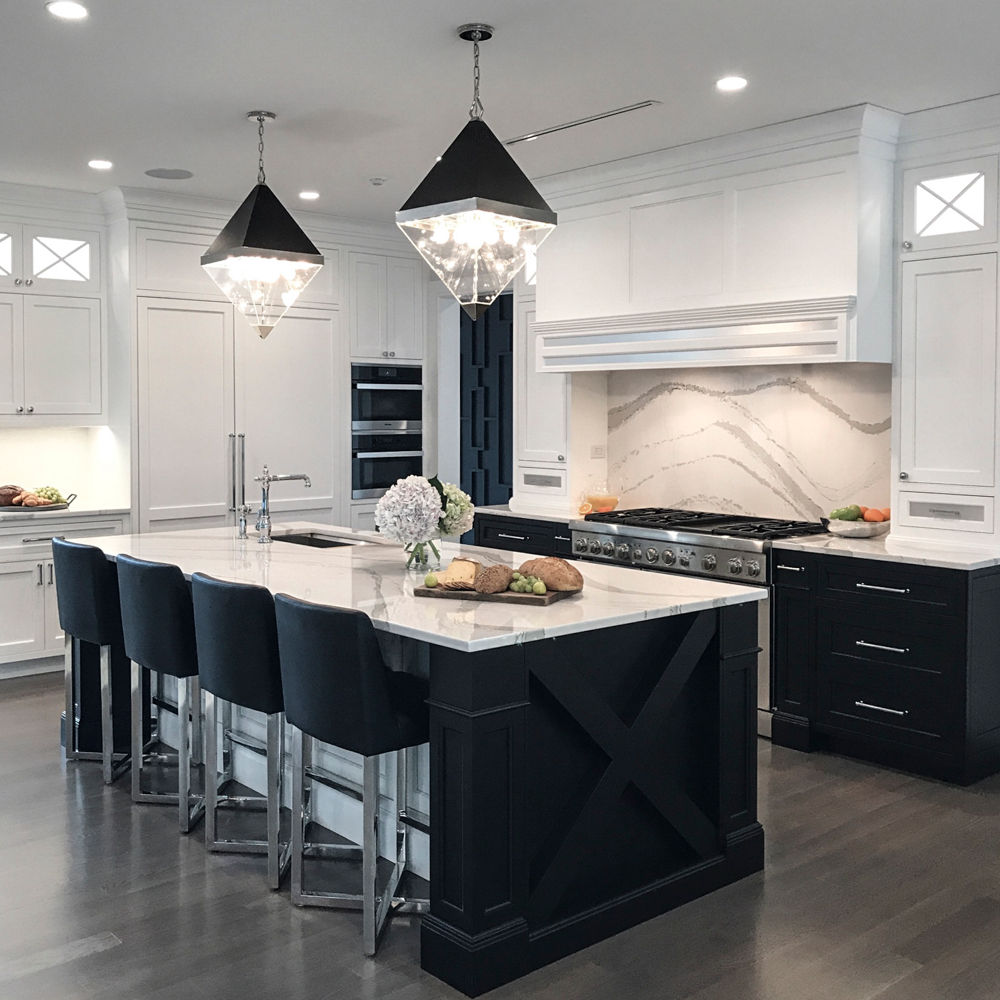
{"x":874,"y":515}
{"x":585,"y":508}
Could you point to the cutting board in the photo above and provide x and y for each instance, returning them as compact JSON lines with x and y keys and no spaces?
{"x":506,"y":597}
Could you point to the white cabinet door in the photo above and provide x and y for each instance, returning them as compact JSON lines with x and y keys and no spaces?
{"x":54,"y":634}
{"x":367,"y":277}
{"x":947,"y":370}
{"x":950,"y":204}
{"x":186,"y":411}
{"x":11,"y":354}
{"x":540,"y":407}
{"x":22,"y":609}
{"x":405,"y":309}
{"x":363,"y":517}
{"x":62,"y":354}
{"x":289,"y":390}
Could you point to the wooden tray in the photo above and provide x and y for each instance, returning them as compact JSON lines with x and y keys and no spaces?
{"x":52,"y":506}
{"x":507,"y":597}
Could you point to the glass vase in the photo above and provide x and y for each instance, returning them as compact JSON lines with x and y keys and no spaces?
{"x":422,"y":556}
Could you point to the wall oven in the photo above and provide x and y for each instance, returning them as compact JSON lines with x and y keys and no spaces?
{"x":386,"y":427}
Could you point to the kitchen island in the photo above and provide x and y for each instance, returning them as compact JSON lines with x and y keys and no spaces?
{"x":592,"y":762}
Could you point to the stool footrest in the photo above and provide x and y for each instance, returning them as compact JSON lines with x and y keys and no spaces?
{"x":246,"y":740}
{"x":335,"y":781}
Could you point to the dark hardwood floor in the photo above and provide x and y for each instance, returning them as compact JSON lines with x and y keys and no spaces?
{"x":877,"y":885}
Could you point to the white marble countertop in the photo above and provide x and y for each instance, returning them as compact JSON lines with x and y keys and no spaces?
{"x":12,"y":515}
{"x":889,"y":549}
{"x":503,"y":510}
{"x":372,"y":578}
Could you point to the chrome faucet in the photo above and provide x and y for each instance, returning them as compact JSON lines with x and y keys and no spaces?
{"x":264,"y":514}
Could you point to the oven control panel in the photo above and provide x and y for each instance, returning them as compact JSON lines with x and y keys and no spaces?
{"x":718,"y":560}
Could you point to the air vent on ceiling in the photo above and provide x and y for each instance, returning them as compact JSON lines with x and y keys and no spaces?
{"x":528,"y":136}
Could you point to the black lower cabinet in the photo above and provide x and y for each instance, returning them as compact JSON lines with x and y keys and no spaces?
{"x":545,"y":538}
{"x":892,"y":663}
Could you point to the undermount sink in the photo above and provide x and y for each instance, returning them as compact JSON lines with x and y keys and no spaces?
{"x":317,"y":540}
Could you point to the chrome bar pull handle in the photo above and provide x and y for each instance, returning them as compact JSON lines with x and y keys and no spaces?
{"x":243,"y":470}
{"x":52,"y":571}
{"x":792,"y":569}
{"x":514,"y":538}
{"x":875,"y":645}
{"x":881,"y":708}
{"x":887,"y":590}
{"x":38,"y":566}
{"x":232,"y":472}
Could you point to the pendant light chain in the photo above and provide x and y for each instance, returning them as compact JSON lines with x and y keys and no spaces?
{"x":260,"y":149}
{"x":476,"y":110}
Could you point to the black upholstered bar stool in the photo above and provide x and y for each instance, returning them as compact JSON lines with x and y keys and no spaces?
{"x":238,"y":665}
{"x":87,"y":596}
{"x":338,"y":690}
{"x":158,"y":624}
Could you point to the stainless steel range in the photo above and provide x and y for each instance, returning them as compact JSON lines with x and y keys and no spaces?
{"x":732,"y":548}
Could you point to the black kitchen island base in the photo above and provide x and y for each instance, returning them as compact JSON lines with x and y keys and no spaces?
{"x":583,"y":784}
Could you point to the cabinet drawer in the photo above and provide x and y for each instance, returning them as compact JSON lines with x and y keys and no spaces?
{"x":873,"y":640}
{"x":915,"y":709}
{"x":793,"y":569}
{"x":542,"y":537}
{"x":945,"y":510}
{"x":894,"y":585}
{"x":34,"y":538}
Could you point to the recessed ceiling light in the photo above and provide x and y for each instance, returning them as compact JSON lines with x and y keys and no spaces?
{"x":169,"y":173}
{"x":730,"y":84}
{"x":68,"y":10}
{"x":309,"y":195}
{"x":100,"y":164}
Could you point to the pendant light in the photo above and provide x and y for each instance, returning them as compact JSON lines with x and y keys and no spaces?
{"x":475,"y":218}
{"x":262,"y":260}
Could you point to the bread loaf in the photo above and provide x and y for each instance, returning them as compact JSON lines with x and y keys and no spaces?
{"x":7,"y":494}
{"x":460,"y":575}
{"x":494,"y":579}
{"x":555,"y":573}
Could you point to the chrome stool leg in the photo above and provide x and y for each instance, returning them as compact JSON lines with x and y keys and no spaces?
{"x":369,"y":846}
{"x":213,"y":783}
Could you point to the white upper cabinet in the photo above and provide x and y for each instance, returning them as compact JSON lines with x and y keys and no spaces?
{"x":49,"y":259}
{"x":386,"y":303}
{"x":950,"y":204}
{"x":948,"y":371}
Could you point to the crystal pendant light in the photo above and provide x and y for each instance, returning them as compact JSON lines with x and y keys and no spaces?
{"x":475,"y":218}
{"x":262,"y":260}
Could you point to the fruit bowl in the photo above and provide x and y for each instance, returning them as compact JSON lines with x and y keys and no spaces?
{"x":857,"y":529}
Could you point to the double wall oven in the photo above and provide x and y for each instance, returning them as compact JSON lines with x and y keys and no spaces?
{"x":733,"y":548}
{"x":386,"y":427}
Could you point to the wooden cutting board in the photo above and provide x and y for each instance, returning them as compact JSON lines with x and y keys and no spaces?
{"x":506,"y":597}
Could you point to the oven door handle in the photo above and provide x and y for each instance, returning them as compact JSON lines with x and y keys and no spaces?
{"x":392,"y":386}
{"x":388,"y":454}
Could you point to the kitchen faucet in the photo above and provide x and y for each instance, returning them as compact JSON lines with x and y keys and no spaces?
{"x":264,"y":514}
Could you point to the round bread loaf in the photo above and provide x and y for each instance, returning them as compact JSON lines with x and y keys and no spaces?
{"x":555,"y":573}
{"x":7,"y":494}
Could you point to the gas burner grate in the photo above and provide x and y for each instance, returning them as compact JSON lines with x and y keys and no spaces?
{"x":705,"y":522}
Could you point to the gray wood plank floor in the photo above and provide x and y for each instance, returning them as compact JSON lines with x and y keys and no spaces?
{"x":877,"y":885}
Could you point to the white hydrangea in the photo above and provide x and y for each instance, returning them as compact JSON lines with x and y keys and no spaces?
{"x":409,"y":511}
{"x":459,"y":512}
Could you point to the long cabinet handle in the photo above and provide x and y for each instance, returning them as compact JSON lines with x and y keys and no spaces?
{"x":52,"y":571}
{"x":946,"y":511}
{"x":513,"y":538}
{"x":793,"y":569}
{"x":388,"y":454}
{"x":243,"y":469}
{"x":38,"y":566}
{"x":408,"y":387}
{"x":875,"y":645}
{"x":881,"y":708}
{"x":40,"y":538}
{"x":232,"y":472}
{"x":561,"y":538}
{"x":887,"y":590}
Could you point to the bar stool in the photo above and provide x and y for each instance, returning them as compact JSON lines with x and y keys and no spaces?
{"x":339,"y":691}
{"x":238,"y":665}
{"x":158,"y":623}
{"x":87,"y":597}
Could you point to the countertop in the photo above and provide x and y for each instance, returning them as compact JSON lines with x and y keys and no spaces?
{"x":372,"y":578}
{"x":502,"y":510}
{"x":9,"y":515}
{"x":888,"y":549}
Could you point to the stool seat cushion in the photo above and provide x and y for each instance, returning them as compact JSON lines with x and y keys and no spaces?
{"x":157,"y":616}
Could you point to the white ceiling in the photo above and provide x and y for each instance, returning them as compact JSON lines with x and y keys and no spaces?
{"x":367,"y":88}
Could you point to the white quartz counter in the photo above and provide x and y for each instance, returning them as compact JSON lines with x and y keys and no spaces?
{"x":372,"y":578}
{"x":14,"y":515}
{"x":502,"y":510}
{"x":888,"y":549}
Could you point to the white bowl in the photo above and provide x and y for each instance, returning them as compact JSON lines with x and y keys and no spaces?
{"x":858,"y":529}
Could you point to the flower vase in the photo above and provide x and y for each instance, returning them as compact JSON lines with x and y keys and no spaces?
{"x":422,"y":556}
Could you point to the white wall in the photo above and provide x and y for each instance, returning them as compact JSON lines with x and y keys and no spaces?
{"x":793,"y":442}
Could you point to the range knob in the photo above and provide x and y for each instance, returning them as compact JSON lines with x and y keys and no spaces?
{"x":668,"y":557}
{"x":637,"y":553}
{"x":753,"y":568}
{"x":608,"y":548}
{"x":685,"y":559}
{"x":580,"y":545}
{"x":623,"y":551}
{"x":735,"y":565}
{"x":595,"y":547}
{"x":708,"y":562}
{"x":652,"y":555}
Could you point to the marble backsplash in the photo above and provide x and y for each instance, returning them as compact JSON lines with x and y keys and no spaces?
{"x":789,"y":441}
